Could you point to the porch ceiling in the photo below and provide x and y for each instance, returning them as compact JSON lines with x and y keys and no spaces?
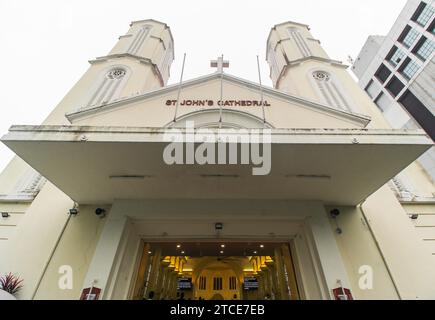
{"x":95,"y":165}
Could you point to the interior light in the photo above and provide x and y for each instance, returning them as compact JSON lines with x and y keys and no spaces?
{"x":222,"y":246}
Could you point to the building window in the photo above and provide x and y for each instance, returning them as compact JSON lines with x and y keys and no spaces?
{"x":419,"y":112}
{"x":424,"y":48}
{"x":431,"y":28}
{"x":409,"y":69}
{"x":382,"y":73}
{"x":383,"y":101}
{"x":371,"y":89}
{"x":423,"y":14}
{"x":217,"y":284}
{"x":233,"y":283}
{"x":408,"y":37}
{"x":202,"y":283}
{"x":395,"y":56}
{"x":395,"y":86}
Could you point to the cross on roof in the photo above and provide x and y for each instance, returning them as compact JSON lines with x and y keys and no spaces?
{"x":220,"y":64}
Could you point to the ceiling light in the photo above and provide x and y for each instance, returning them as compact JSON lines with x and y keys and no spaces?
{"x":178,"y":246}
{"x":261,"y":246}
{"x":255,"y":252}
{"x":222,"y":252}
{"x":222,"y":246}
{"x":182,"y":252}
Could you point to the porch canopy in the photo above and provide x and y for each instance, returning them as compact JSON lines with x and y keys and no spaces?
{"x":96,"y":165}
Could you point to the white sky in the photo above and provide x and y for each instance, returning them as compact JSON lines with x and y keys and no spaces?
{"x":45,"y":44}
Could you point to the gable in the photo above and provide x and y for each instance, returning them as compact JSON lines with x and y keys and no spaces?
{"x":203,"y":95}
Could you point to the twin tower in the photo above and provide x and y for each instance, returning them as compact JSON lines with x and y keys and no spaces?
{"x":141,"y":62}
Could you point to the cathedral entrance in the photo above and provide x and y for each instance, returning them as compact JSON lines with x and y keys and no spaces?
{"x":216,"y":271}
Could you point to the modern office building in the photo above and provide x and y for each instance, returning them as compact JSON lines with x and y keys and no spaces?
{"x":217,"y":187}
{"x":398,"y":73}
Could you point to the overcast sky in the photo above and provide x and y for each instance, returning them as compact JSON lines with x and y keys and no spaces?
{"x":45,"y":44}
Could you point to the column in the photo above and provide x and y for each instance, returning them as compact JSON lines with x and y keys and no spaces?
{"x":140,"y":279}
{"x":155,"y":270}
{"x":288,"y":263}
{"x":329,"y":255}
{"x":283,"y":292}
{"x":100,"y":269}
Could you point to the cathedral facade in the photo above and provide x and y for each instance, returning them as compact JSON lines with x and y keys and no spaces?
{"x":217,"y":187}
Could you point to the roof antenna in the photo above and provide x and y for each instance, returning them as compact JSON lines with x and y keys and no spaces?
{"x":221,"y":70}
{"x":179,"y":89}
{"x":220,"y":64}
{"x":261,"y":91}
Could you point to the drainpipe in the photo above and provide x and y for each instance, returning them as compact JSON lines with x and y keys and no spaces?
{"x":360,"y":206}
{"x":52,"y":253}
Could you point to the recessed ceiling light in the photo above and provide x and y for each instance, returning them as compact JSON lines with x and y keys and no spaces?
{"x":182,"y":252}
{"x":261,"y":245}
{"x":149,"y":252}
{"x":222,"y":252}
{"x":255,"y":252}
{"x":222,"y":246}
{"x":178,"y":246}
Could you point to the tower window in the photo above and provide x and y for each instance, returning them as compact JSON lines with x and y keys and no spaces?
{"x":330,"y":91}
{"x":116,"y":74}
{"x":110,"y":86}
{"x":300,"y":42}
{"x":139,"y":40}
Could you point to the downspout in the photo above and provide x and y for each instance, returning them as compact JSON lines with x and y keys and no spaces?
{"x":360,"y":206}
{"x":52,"y":254}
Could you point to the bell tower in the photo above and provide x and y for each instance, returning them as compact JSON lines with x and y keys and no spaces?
{"x":139,"y":62}
{"x":300,"y":66}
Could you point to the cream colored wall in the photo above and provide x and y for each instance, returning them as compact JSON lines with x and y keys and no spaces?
{"x":424,"y":224}
{"x":76,"y":249}
{"x":155,"y":113}
{"x":358,"y":248}
{"x":35,"y":238}
{"x":225,"y":273}
{"x":409,"y":261}
{"x":8,"y":226}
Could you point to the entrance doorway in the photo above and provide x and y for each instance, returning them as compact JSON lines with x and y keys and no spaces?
{"x":216,"y":271}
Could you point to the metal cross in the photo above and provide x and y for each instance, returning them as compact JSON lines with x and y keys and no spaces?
{"x":220,"y":64}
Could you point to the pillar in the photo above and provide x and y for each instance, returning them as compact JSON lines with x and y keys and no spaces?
{"x":283,"y":291}
{"x":288,"y":264}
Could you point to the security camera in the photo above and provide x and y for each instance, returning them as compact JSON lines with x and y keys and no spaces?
{"x":218,"y":226}
{"x":100,"y":212}
{"x":73,"y":211}
{"x":335,"y":213}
